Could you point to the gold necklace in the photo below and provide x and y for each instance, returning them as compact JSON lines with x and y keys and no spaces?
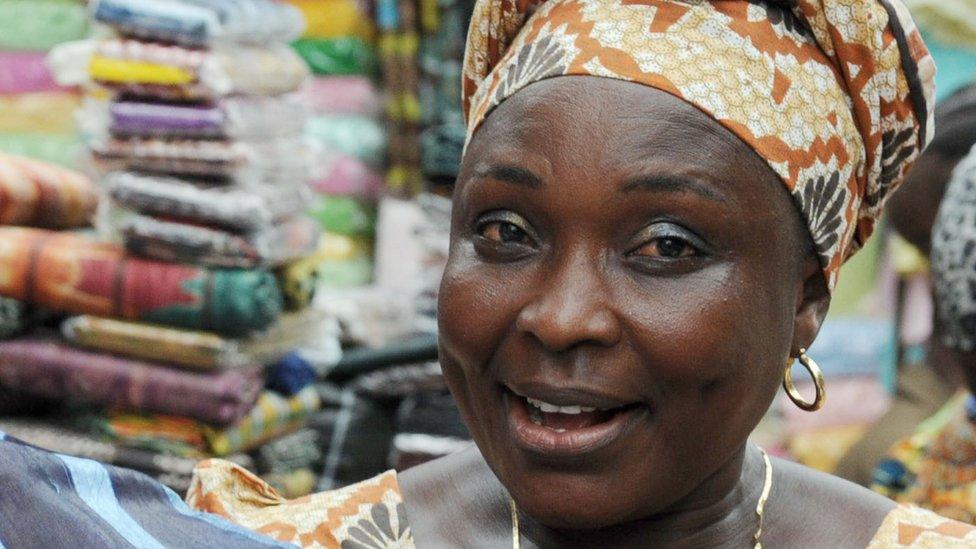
{"x":760,"y":507}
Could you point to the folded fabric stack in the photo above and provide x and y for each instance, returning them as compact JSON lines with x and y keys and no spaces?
{"x":346,"y":134}
{"x":182,"y":344}
{"x":171,"y":359}
{"x":35,"y":112}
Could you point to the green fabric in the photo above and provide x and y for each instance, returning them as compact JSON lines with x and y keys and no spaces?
{"x":344,"y":274}
{"x":337,"y":56}
{"x":63,"y":150}
{"x":343,"y":215}
{"x":241,"y":301}
{"x":39,"y":25}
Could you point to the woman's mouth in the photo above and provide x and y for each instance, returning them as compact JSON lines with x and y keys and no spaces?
{"x":568,"y":427}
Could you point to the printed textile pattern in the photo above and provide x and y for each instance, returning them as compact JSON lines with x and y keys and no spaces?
{"x":835,"y":95}
{"x":954,"y":258}
{"x":364,"y":515}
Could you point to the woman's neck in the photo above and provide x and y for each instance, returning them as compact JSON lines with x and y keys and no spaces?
{"x":720,"y":512}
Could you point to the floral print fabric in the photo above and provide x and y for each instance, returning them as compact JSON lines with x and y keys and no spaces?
{"x":368,"y":515}
{"x":835,"y":95}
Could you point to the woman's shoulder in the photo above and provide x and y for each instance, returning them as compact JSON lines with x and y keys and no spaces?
{"x":367,"y":514}
{"x":821,"y":509}
{"x":838,"y":513}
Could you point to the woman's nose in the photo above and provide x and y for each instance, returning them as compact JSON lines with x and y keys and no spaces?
{"x":572,"y":308}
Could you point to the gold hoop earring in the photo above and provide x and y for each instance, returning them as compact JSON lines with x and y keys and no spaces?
{"x":818,"y":382}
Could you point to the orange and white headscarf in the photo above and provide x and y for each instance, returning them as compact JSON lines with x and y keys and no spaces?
{"x":835,"y":95}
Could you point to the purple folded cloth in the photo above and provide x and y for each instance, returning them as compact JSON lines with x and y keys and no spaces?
{"x":135,"y":118}
{"x":48,"y":368}
{"x":25,"y":72}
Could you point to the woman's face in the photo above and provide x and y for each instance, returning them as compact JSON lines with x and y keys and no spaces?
{"x":622,"y":293}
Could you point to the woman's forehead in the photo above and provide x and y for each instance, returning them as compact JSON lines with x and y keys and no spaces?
{"x":613,"y":129}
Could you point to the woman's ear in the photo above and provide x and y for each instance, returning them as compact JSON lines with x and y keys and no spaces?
{"x":812,"y":302}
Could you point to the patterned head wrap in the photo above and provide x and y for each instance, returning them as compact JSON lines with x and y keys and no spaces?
{"x":954,"y":258}
{"x":835,"y":95}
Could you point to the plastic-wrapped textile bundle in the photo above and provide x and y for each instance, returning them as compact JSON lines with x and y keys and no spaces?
{"x":280,"y":161}
{"x":42,"y":195}
{"x":72,"y":273}
{"x":173,"y":471}
{"x":48,"y":368}
{"x":272,"y":416}
{"x":359,"y":136}
{"x":39,"y":25}
{"x":344,"y":215}
{"x":341,"y":95}
{"x":62,"y":150}
{"x":239,"y":117}
{"x":173,"y":241}
{"x":171,"y":435}
{"x":334,"y":19}
{"x":234,"y":208}
{"x":347,"y":175}
{"x":290,"y":375}
{"x":170,"y":72}
{"x":41,"y":112}
{"x":25,"y":72}
{"x":337,"y":56}
{"x":299,"y":450}
{"x":201,"y":23}
{"x":203,"y":351}
{"x":340,"y":261}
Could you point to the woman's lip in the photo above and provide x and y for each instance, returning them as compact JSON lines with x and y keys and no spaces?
{"x":544,"y":441}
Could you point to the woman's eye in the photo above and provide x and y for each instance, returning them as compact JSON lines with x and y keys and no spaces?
{"x":667,"y":247}
{"x":504,"y":232}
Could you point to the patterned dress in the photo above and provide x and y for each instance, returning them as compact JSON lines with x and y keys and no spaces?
{"x":370,"y":515}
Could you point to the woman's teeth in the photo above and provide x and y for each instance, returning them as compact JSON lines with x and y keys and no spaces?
{"x":553,"y":409}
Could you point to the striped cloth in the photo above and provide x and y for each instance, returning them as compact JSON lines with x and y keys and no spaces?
{"x":63,"y":501}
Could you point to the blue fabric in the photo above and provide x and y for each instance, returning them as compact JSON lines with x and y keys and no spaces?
{"x":63,"y":501}
{"x":290,"y":375}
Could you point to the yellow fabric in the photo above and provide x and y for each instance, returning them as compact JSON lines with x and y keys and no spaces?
{"x":105,"y":69}
{"x":45,"y":112}
{"x":334,"y":19}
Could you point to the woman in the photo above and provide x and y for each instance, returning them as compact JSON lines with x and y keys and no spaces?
{"x":935,"y":467}
{"x":628,"y":276}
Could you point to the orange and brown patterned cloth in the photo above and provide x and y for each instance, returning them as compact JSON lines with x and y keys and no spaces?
{"x":37,"y":194}
{"x":371,"y":514}
{"x":368,"y":514}
{"x":835,"y":95}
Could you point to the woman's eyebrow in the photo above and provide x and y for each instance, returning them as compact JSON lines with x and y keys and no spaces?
{"x":674,"y":183}
{"x":508,"y":173}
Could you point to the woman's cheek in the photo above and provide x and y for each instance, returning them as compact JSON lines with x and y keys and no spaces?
{"x":476,"y":309}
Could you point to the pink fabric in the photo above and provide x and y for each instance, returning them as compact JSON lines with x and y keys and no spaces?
{"x":347,"y":175}
{"x":341,"y":95}
{"x":25,"y":72}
